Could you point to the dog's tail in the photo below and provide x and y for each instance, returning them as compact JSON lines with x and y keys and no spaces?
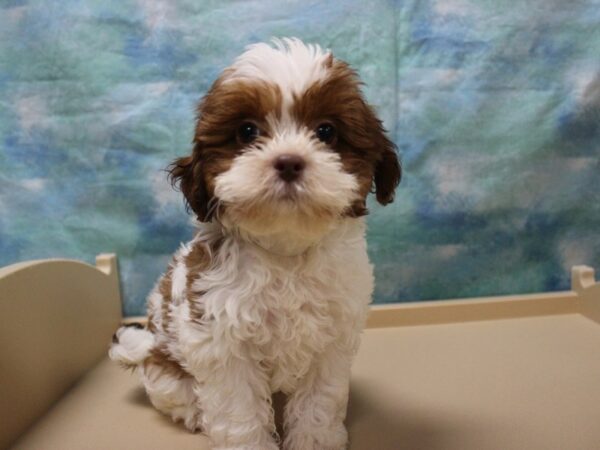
{"x":131,"y":345}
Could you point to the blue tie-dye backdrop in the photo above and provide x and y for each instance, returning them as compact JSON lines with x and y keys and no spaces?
{"x":494,"y":105}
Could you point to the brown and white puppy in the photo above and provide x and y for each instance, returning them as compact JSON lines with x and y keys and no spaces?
{"x":272,"y":292}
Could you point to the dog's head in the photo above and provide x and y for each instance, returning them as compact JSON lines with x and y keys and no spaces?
{"x":286,"y":142}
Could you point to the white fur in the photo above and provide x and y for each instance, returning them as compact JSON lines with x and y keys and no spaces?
{"x":284,"y":298}
{"x":179,"y":275}
{"x":154,"y":304}
{"x":290,"y":64}
{"x":133,"y":346}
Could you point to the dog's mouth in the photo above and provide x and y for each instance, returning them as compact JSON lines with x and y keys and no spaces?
{"x":290,"y":192}
{"x":290,"y":203}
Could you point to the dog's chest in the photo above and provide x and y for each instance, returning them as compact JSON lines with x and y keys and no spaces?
{"x":304,"y":309}
{"x":282,"y":313}
{"x":299,"y":320}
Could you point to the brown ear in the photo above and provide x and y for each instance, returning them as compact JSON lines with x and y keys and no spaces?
{"x":186,"y":174}
{"x":388,"y":173}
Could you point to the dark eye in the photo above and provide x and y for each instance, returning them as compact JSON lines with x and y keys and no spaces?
{"x":325,"y":133}
{"x":247,"y":132}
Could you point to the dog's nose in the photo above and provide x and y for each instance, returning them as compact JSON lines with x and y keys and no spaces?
{"x":289,"y":167}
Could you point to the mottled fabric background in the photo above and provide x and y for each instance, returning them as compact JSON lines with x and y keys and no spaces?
{"x":494,"y":105}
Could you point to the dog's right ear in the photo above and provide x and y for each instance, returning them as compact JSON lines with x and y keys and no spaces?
{"x":186,"y":175}
{"x":388,"y":173}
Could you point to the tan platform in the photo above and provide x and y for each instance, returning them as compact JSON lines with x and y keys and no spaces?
{"x":520,"y":372}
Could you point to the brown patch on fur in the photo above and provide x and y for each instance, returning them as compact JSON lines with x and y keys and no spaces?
{"x":150,"y":325}
{"x":160,"y":357}
{"x":226,"y":106}
{"x":361,"y":142}
{"x":197,"y":261}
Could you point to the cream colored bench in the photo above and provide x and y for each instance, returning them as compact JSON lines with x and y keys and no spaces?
{"x":519,"y":372}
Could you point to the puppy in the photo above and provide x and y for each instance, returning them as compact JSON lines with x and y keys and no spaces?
{"x":272,"y":292}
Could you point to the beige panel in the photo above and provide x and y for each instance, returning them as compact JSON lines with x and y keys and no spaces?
{"x":583,"y":298}
{"x":56,"y":321}
{"x":474,"y":309}
{"x":584,"y":283}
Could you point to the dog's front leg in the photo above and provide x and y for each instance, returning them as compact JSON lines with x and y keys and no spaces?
{"x":236,"y":406}
{"x":315,"y":412}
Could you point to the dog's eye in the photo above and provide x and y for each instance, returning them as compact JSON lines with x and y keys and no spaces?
{"x":247,"y":132}
{"x":325,"y":133}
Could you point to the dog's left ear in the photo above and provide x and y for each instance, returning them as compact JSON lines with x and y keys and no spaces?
{"x":388,"y":171}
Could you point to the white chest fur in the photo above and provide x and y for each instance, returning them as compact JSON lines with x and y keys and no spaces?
{"x":281,"y":311}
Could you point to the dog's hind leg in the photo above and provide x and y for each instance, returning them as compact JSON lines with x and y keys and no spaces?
{"x":171,"y":390}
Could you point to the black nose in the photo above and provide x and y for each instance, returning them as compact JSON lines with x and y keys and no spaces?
{"x":289,"y":167}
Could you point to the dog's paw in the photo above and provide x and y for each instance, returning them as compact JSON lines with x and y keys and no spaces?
{"x":266,"y":446}
{"x":334,"y":438}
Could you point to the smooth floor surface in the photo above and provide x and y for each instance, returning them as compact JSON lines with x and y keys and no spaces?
{"x":512,"y":384}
